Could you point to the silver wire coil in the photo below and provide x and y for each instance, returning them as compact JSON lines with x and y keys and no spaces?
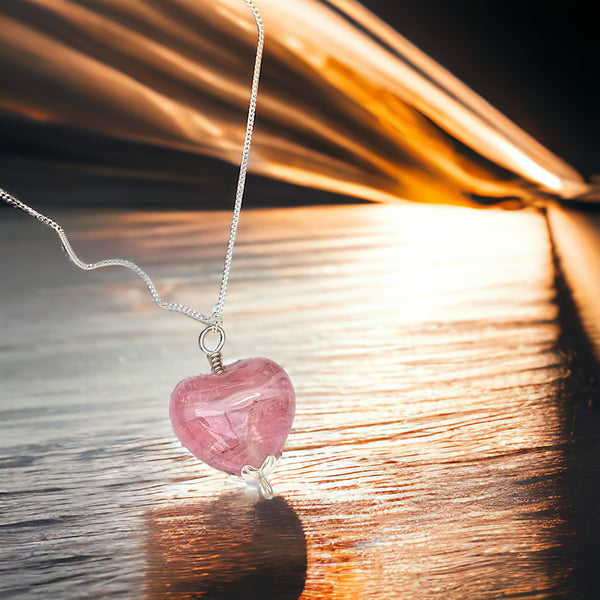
{"x":216,"y":362}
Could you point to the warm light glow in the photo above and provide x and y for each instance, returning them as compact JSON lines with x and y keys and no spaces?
{"x":354,"y":109}
{"x":578,"y":248}
{"x":432,"y":443}
{"x":423,"y":386}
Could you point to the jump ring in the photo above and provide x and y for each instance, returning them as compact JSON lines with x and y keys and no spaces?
{"x":212,"y":329}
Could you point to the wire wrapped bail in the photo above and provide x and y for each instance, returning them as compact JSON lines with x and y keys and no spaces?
{"x":213,"y":354}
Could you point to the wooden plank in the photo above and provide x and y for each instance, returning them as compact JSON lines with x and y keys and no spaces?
{"x":438,"y":450}
{"x":576,"y":235}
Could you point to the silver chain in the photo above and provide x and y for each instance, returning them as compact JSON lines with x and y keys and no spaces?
{"x":216,"y":317}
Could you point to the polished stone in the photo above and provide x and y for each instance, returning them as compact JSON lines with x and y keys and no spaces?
{"x":235,"y":418}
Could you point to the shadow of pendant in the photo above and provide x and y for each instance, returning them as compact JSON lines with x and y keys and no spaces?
{"x":232,"y":547}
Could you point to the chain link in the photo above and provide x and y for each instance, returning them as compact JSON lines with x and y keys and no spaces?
{"x":216,"y":317}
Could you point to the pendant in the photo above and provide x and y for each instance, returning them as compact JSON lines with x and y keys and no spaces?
{"x":237,"y":418}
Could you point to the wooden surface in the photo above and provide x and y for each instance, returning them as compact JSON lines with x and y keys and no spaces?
{"x":442,"y":448}
{"x":576,"y":235}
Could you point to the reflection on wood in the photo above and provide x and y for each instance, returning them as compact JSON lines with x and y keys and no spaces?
{"x":229,"y":547}
{"x":435,"y":452}
{"x":576,"y":234}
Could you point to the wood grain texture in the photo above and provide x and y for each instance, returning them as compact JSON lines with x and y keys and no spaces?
{"x":440,"y":448}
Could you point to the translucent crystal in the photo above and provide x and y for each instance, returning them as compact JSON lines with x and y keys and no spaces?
{"x":237,"y":418}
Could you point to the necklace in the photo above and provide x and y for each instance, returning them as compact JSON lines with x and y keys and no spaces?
{"x":236,"y":418}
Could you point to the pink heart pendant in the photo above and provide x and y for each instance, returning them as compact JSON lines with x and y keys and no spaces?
{"x":236,"y":418}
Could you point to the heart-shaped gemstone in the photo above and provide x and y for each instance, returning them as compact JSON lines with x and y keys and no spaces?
{"x":235,"y":418}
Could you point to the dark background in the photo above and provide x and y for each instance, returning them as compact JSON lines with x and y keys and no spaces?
{"x":536,"y":61}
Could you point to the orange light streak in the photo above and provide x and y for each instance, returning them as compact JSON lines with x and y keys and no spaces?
{"x":356,"y":110}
